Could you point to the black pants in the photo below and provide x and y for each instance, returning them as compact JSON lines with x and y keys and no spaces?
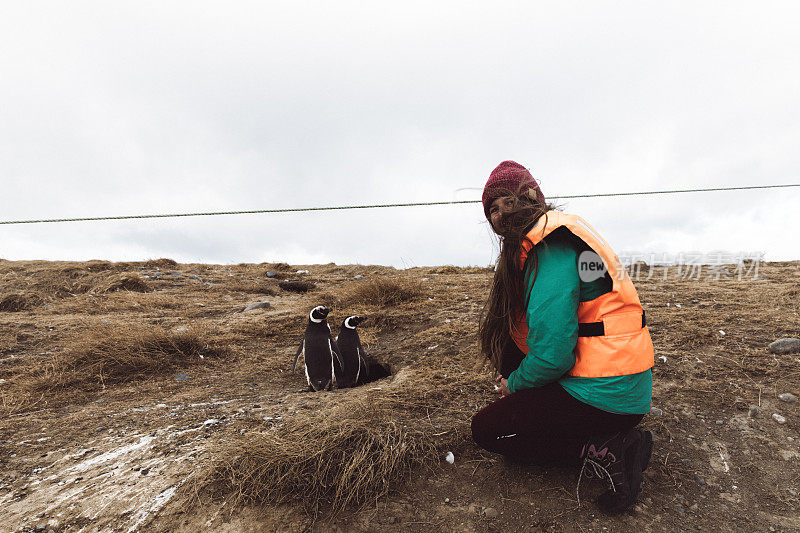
{"x":545,"y":425}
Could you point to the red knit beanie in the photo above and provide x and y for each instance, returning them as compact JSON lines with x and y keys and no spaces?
{"x":508,"y":176}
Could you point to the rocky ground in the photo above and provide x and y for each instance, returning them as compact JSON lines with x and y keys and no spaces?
{"x":124,"y":452}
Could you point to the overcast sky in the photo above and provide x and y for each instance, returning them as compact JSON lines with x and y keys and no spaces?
{"x":117,"y":108}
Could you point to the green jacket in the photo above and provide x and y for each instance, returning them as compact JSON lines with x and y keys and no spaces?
{"x":552,"y":317}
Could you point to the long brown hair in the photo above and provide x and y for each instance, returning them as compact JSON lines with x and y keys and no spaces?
{"x":508,"y":296}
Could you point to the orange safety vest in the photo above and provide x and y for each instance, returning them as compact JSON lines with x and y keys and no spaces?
{"x":613,"y":339}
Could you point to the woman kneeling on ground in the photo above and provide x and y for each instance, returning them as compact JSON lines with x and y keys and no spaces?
{"x":566,"y":332}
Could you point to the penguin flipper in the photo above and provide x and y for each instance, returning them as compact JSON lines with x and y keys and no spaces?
{"x":299,"y":351}
{"x":335,"y":350}
{"x":363,"y":358}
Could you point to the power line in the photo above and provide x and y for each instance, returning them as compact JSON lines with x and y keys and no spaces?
{"x":375,"y":206}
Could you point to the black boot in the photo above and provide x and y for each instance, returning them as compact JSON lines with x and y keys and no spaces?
{"x":620,"y":459}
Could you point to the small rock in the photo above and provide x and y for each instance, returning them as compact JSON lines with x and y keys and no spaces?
{"x":195,"y":276}
{"x":450,"y":458}
{"x":655,"y":411}
{"x":358,"y":276}
{"x":719,"y":422}
{"x":41,"y":527}
{"x":778,"y":418}
{"x":272,"y":274}
{"x":490,"y":512}
{"x":722,"y":333}
{"x":144,"y":471}
{"x":259,"y":305}
{"x":785,"y":346}
{"x":754,"y":411}
{"x":181,"y":377}
{"x":302,"y":272}
{"x":787,"y":397}
{"x":447,"y":500}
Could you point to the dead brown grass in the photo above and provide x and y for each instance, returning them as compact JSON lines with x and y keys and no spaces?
{"x":123,"y":352}
{"x":15,"y":302}
{"x":103,"y":354}
{"x":252,"y":287}
{"x":297,"y":285}
{"x":352,"y":455}
{"x":122,"y":282}
{"x":346,"y":454}
{"x":164,"y":262}
{"x":381,"y":291}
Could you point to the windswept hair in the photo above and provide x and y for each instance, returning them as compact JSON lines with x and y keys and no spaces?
{"x":508,"y":297}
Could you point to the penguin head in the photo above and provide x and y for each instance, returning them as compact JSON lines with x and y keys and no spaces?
{"x":319,"y":313}
{"x":352,"y":321}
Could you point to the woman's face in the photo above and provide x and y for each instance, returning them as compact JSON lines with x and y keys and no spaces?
{"x":497,"y":209}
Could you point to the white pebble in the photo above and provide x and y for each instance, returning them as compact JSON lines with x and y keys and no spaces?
{"x":778,"y":418}
{"x":662,"y":358}
{"x":721,"y":332}
{"x":450,"y":458}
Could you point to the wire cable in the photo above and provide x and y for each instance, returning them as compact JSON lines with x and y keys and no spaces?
{"x":376,"y":206}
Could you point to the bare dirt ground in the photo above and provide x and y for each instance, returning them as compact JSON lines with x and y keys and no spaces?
{"x":95,"y":437}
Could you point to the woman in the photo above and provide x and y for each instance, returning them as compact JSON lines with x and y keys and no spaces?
{"x":569,"y":342}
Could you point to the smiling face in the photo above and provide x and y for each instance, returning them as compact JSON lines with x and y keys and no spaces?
{"x":497,"y":209}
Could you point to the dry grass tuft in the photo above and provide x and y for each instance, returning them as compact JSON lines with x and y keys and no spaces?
{"x":12,"y":303}
{"x":122,"y":282}
{"x":347,"y":454}
{"x":106,"y":354}
{"x":296,"y":285}
{"x":116,"y":354}
{"x":381,"y":291}
{"x":164,"y":262}
{"x":447,"y":269}
{"x":251,"y":287}
{"x":352,"y":455}
{"x":280,"y":267}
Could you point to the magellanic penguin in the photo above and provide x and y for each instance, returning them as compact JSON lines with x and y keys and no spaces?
{"x":353,"y":357}
{"x":321,"y":356}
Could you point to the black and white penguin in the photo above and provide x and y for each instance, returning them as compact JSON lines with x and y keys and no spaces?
{"x":353,"y":356}
{"x":320,"y":352}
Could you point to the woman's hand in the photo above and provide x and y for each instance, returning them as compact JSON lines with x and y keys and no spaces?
{"x":503,"y":387}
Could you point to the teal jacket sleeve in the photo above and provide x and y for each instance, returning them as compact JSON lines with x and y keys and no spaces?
{"x":552,"y":317}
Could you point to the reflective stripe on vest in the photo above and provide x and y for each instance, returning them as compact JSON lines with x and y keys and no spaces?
{"x":623,"y":345}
